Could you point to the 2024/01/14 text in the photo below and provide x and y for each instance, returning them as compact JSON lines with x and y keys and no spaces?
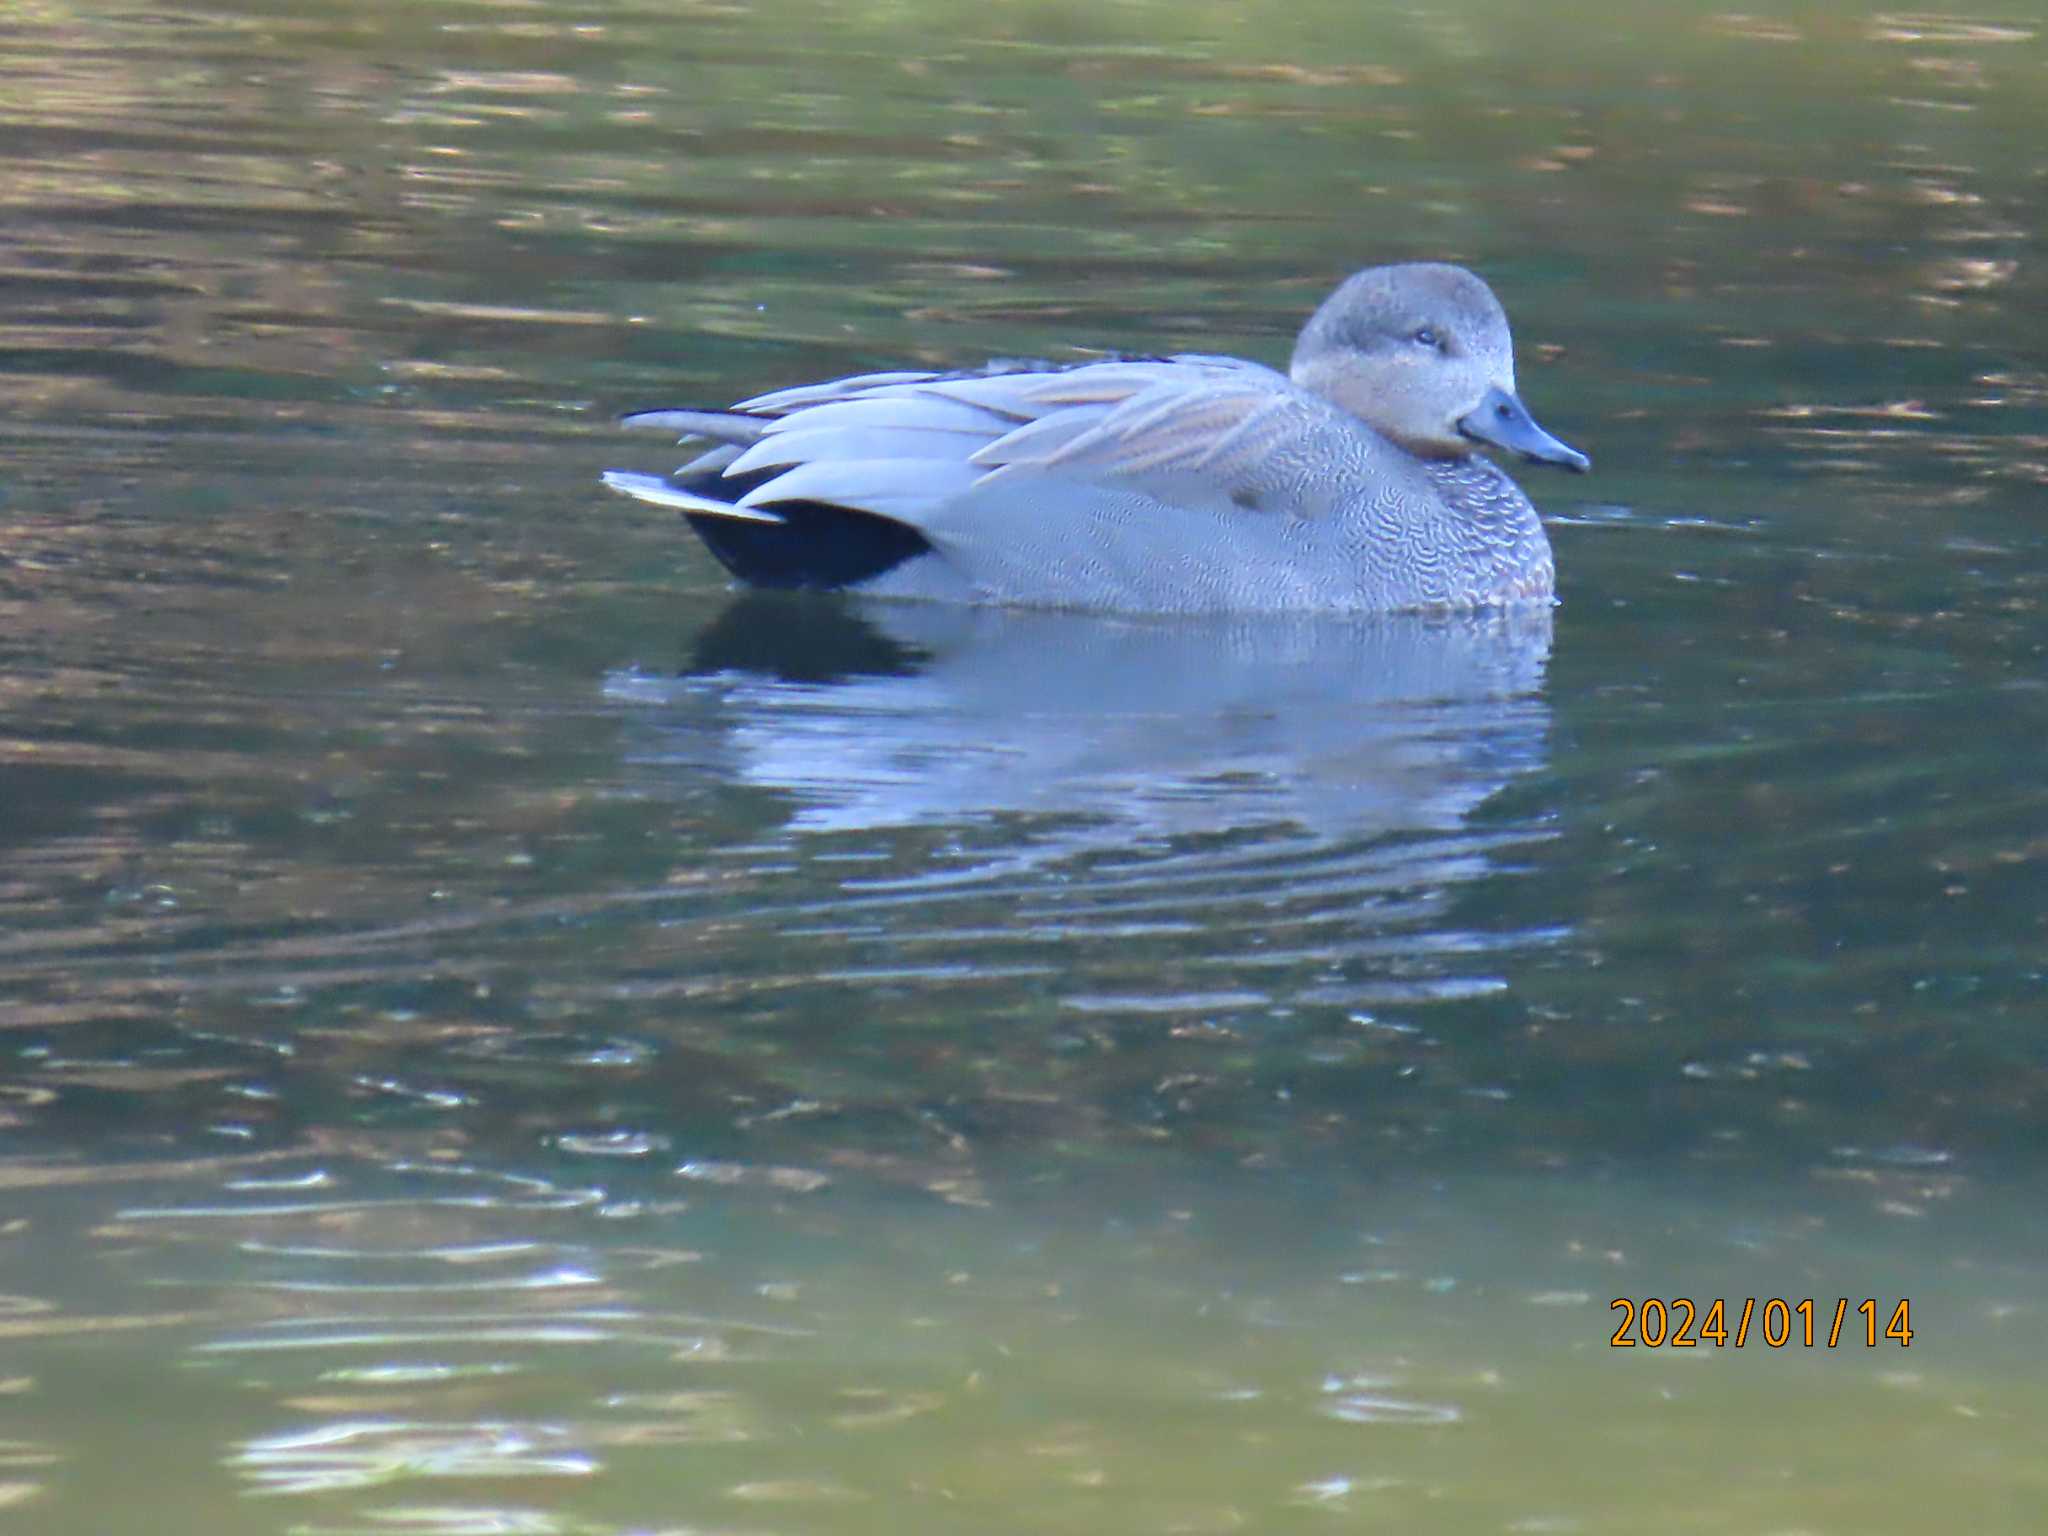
{"x":1681,"y":1323}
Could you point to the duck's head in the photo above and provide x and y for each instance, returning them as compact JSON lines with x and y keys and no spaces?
{"x":1421,"y":353}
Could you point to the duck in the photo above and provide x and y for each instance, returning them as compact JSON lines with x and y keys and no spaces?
{"x":1358,"y":481}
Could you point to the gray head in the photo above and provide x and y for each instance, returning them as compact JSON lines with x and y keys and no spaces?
{"x":1421,"y":353}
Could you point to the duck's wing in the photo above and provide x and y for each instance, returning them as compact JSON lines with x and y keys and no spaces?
{"x":1192,"y":430}
{"x":1197,"y":432}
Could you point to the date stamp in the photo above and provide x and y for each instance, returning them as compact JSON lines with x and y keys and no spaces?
{"x":1775,"y":1323}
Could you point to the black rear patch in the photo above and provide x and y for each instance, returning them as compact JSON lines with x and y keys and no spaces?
{"x":816,"y":546}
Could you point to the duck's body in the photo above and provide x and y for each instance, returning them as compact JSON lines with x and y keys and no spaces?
{"x":1183,"y":484}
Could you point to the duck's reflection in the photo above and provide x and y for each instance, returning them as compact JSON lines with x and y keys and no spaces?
{"x":880,"y":715}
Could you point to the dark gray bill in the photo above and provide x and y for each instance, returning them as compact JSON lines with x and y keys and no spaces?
{"x":1505,"y":422}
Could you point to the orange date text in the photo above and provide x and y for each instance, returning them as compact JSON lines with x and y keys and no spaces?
{"x":1679,"y":1322}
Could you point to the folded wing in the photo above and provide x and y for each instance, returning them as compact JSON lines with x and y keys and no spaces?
{"x":911,"y":447}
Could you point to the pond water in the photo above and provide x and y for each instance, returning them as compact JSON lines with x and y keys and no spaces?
{"x":502,"y":1034}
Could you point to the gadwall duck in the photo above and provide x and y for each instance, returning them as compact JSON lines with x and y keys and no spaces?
{"x":1350,"y":483}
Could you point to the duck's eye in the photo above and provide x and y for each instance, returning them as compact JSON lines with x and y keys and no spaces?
{"x":1426,"y":337}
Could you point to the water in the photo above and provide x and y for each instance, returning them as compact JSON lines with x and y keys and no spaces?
{"x":501,"y":1035}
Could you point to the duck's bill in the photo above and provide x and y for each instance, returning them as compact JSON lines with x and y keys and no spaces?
{"x":1504,"y":422}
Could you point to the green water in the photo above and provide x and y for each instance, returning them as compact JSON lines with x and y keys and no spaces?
{"x":500,"y":1035}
